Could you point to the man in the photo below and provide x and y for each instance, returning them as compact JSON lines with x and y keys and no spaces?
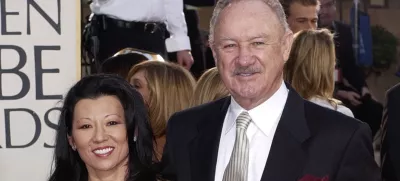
{"x":265,"y":130}
{"x":301,"y":14}
{"x":351,"y":87}
{"x":140,"y":24}
{"x":344,"y":53}
{"x":391,"y":136}
{"x":196,"y":41}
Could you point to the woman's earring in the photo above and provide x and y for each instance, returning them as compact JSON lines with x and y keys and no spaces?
{"x":73,"y":147}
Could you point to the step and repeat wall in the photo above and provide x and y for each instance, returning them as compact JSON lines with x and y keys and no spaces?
{"x":39,"y":62}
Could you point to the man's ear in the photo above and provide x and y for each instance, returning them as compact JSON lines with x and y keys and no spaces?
{"x":287,"y":44}
{"x":213,"y":51}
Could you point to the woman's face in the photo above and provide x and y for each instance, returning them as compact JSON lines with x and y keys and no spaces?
{"x":139,"y":81}
{"x":99,"y":133}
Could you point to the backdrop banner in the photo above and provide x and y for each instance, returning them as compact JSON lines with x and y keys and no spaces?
{"x":39,"y":62}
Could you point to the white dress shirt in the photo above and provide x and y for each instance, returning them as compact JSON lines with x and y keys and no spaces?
{"x":325,"y":103}
{"x":168,"y":11}
{"x":261,"y":131}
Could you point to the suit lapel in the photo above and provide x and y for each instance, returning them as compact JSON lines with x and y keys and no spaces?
{"x":204,"y":148}
{"x":287,"y":156}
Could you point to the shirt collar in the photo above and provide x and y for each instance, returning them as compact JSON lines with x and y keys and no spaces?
{"x":265,"y":115}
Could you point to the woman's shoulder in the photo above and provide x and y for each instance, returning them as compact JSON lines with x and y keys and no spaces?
{"x":321,"y":102}
{"x":346,"y":111}
{"x":339,"y":107}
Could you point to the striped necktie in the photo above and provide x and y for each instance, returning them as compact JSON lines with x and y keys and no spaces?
{"x":238,"y":164}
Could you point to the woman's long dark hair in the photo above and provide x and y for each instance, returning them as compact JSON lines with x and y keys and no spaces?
{"x":68,"y":166}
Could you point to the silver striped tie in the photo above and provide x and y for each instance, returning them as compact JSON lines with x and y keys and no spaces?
{"x":238,"y":164}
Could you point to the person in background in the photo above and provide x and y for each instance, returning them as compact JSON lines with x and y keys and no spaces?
{"x":301,"y":14}
{"x":141,"y":24}
{"x":166,"y":88}
{"x":311,"y":66}
{"x":390,"y":149}
{"x":264,"y":130}
{"x":209,"y":88}
{"x":344,"y":53}
{"x":121,"y":64}
{"x":350,"y":87}
{"x":103,"y":133}
{"x":196,"y":42}
{"x":125,"y":59}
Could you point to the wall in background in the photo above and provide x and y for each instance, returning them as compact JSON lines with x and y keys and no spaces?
{"x":387,"y":17}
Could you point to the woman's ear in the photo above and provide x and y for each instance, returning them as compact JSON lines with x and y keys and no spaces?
{"x":71,"y":142}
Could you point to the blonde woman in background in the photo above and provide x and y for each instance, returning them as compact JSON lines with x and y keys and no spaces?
{"x":310,"y":68}
{"x":166,"y":88}
{"x":209,"y":87}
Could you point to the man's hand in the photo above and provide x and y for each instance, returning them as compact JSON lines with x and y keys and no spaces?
{"x":185,"y":59}
{"x":351,"y":96}
{"x":365,"y":91}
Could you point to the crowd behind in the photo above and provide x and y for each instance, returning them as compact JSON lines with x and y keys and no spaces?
{"x":123,"y":110}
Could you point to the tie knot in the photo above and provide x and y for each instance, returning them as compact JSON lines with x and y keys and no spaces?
{"x":243,"y":120}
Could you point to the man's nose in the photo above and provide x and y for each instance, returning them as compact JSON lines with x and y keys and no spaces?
{"x":309,"y":25}
{"x":245,"y":56}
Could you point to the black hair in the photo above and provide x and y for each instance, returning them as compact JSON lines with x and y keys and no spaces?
{"x":68,"y":166}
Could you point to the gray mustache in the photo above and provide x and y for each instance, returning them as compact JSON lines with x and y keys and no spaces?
{"x":245,"y":70}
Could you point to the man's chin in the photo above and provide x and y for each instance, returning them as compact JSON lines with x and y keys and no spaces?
{"x":246,"y":92}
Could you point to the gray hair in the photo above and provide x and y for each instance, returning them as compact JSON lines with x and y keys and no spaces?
{"x":275,"y":5}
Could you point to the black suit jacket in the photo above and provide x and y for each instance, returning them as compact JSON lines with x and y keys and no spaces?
{"x":309,"y":140}
{"x":390,"y":152}
{"x":345,"y":56}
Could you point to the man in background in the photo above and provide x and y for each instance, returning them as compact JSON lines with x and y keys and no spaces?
{"x":351,"y":87}
{"x":140,"y":24}
{"x":301,"y":14}
{"x":196,"y":41}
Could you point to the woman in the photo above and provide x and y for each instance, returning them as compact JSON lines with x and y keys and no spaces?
{"x":209,"y":88}
{"x":310,"y":68}
{"x":103,"y":133}
{"x":166,"y":88}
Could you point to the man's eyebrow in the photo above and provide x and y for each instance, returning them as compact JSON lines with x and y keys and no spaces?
{"x":225,"y":38}
{"x":261,"y":35}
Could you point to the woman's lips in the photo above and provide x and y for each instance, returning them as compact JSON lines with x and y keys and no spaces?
{"x":103,"y":151}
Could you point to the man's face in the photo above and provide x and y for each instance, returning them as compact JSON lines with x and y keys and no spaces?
{"x":327,"y":12}
{"x":250,"y":48}
{"x":302,"y":17}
